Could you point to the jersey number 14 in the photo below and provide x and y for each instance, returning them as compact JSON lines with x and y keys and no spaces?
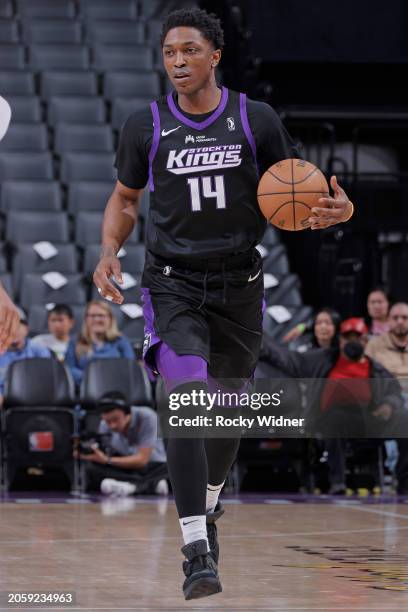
{"x":207,"y":190}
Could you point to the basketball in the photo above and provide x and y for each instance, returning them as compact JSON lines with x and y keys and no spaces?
{"x":288,"y":191}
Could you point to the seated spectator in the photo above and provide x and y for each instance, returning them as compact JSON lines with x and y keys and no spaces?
{"x":391,"y":348}
{"x":378,"y":305}
{"x":323,"y":327}
{"x":371,"y":406}
{"x":99,"y":338}
{"x":20,"y":348}
{"x":60,"y":324}
{"x":134,"y":459}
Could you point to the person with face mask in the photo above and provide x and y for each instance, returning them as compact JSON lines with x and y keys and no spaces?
{"x":349,"y":395}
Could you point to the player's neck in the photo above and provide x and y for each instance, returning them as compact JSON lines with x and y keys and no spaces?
{"x":202,"y":101}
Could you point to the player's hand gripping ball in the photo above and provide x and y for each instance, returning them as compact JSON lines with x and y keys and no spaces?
{"x":288,"y":191}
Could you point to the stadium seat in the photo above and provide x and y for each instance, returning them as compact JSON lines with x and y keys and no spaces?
{"x":87,"y":167}
{"x":34,"y":290}
{"x":37,"y":166}
{"x":150,"y":9}
{"x":3,"y":259}
{"x":7,"y":284}
{"x":71,"y":83}
{"x":298,"y":314}
{"x":9,"y":32}
{"x":123,"y":107}
{"x":27,"y":226}
{"x":88,"y":195}
{"x":115,"y":32}
{"x":12,"y":57}
{"x":38,"y":418}
{"x":277,"y":260}
{"x":38,"y":318}
{"x":46,"y":9}
{"x":26,"y":260}
{"x":131,"y":85}
{"x":126,"y":57}
{"x":132,"y":261}
{"x":104,"y":376}
{"x":154,"y":28}
{"x":17,"y":83}
{"x":59,"y":57}
{"x":70,"y":137}
{"x":92,"y":10}
{"x":88,"y":225}
{"x":46,"y":31}
{"x":25,"y":109}
{"x":6,"y":9}
{"x":270,"y":238}
{"x":30,"y":195}
{"x":76,"y":110}
{"x":26,"y":137}
{"x":286,"y":293}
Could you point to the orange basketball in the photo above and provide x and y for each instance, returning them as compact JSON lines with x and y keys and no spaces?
{"x":288,"y":191}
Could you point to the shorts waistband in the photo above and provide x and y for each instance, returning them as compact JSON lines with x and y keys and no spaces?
{"x":216,"y":264}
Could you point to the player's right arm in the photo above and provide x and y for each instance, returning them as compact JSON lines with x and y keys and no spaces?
{"x":119,"y":220}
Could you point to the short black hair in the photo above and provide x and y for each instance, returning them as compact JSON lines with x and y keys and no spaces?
{"x":62,"y":309}
{"x":115,"y":400}
{"x":207,"y":23}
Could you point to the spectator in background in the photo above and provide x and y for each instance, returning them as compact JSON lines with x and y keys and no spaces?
{"x":60,"y":324}
{"x":134,"y":459}
{"x":391,"y":348}
{"x":20,"y":348}
{"x":378,"y":305}
{"x":324,"y":328}
{"x":370,"y":406}
{"x":99,"y":339}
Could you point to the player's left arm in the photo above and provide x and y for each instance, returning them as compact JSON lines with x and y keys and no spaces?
{"x":338,"y":209}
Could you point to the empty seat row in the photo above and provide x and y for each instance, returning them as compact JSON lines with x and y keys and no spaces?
{"x":76,"y":57}
{"x":47,"y":195}
{"x":91,"y":9}
{"x":76,"y":166}
{"x":67,"y":260}
{"x":27,"y":109}
{"x":31,"y":227}
{"x":76,"y":84}
{"x":71,"y":31}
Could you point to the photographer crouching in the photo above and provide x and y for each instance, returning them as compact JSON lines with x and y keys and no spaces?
{"x":126,"y":456}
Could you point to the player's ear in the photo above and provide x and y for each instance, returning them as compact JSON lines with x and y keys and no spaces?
{"x":215,"y":59}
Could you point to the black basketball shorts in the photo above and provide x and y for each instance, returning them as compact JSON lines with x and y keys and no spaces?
{"x":211,"y":308}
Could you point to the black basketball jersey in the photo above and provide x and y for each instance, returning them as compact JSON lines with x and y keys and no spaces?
{"x":203,"y":180}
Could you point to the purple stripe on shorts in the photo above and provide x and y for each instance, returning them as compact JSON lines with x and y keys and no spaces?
{"x":179,"y":369}
{"x":203,"y":124}
{"x":155,"y":143}
{"x":247,"y":127}
{"x":150,"y":336}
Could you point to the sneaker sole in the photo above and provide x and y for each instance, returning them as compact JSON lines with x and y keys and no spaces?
{"x":202,"y":587}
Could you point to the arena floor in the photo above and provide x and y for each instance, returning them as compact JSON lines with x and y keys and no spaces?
{"x":277,"y":553}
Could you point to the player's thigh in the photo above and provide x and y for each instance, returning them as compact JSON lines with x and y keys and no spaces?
{"x":236,"y":336}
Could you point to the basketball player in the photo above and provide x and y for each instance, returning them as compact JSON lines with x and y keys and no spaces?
{"x":201,"y":150}
{"x":9,"y":316}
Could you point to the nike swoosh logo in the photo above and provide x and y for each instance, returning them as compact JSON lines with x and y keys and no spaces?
{"x":252,"y":278}
{"x":195,"y":520}
{"x":166,"y":132}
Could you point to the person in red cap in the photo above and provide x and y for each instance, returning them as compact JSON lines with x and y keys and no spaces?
{"x":349,"y":395}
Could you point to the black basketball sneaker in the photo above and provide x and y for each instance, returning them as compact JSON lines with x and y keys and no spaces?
{"x":200,"y":570}
{"x":212,"y":535}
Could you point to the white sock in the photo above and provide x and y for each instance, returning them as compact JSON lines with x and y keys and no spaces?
{"x":213,"y":493}
{"x":194,"y":528}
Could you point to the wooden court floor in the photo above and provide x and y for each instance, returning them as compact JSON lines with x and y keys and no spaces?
{"x":124,"y":555}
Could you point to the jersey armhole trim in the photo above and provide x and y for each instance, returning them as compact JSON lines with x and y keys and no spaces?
{"x":247,"y":128}
{"x":155,"y":142}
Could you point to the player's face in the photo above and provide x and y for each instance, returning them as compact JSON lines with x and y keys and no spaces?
{"x":399,"y":320}
{"x":377,"y":305}
{"x":189,"y":59}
